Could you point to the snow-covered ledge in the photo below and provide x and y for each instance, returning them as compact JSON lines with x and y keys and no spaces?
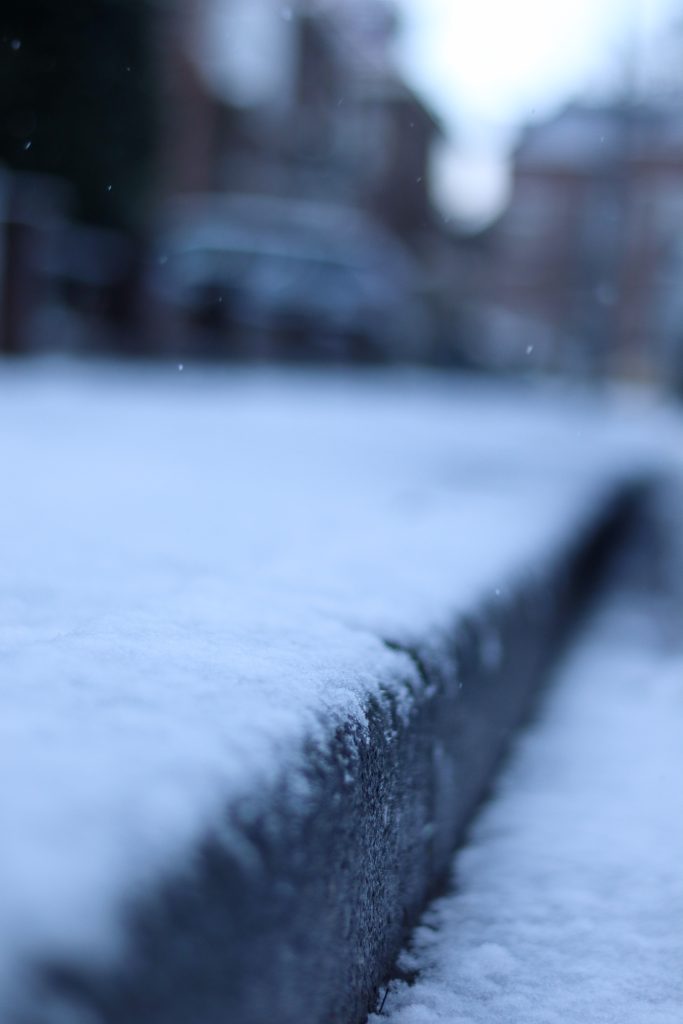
{"x":263,"y":641}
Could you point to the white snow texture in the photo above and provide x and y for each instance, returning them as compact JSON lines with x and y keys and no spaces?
{"x":198,"y":573}
{"x":567,"y":904}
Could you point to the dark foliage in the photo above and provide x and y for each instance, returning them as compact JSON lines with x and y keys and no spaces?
{"x":77,"y":100}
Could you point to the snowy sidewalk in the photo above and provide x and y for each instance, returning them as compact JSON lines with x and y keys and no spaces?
{"x":568,"y":897}
{"x":263,"y":638}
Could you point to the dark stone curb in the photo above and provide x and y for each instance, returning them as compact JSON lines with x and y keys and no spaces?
{"x":306,"y":930}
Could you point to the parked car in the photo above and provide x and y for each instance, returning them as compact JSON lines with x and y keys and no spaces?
{"x":316,"y":278}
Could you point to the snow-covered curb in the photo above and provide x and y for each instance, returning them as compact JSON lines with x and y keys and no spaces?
{"x":567,"y":899}
{"x":263,"y":641}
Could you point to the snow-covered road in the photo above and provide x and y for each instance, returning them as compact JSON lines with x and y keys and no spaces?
{"x":567,"y":902}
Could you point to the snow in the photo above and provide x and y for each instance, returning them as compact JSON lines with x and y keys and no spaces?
{"x":199,"y":574}
{"x":567,"y":900}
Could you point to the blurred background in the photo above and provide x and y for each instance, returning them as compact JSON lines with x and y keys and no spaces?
{"x":493,"y":186}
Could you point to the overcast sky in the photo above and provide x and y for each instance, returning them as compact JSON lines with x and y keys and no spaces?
{"x":486,"y":65}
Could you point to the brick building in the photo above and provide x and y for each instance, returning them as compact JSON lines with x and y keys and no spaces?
{"x":317,"y":111}
{"x":587,"y":256}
